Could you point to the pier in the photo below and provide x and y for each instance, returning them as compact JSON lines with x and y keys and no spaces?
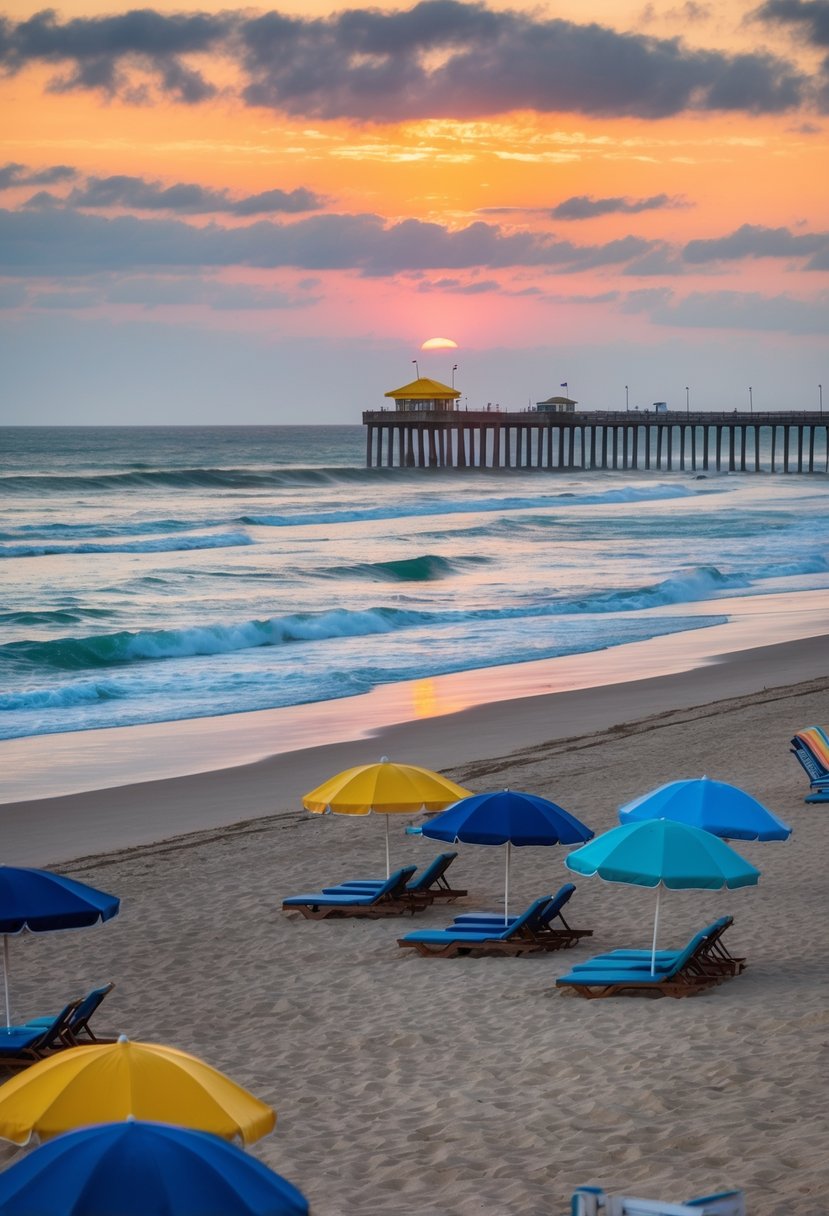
{"x":781,"y":442}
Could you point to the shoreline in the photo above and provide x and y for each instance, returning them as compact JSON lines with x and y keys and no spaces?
{"x":58,"y":765}
{"x":478,"y":738}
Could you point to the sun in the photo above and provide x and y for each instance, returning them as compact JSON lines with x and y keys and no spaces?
{"x":439,"y":344}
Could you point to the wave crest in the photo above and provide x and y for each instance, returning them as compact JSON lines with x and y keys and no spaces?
{"x":161,"y":544}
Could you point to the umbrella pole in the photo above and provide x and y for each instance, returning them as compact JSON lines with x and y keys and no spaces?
{"x":506,"y":887}
{"x":6,"y":977}
{"x":388,"y":855}
{"x":655,"y":929}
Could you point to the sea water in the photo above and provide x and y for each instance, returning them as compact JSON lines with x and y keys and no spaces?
{"x":156,"y":574}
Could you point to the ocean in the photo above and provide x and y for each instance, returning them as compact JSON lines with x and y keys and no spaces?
{"x":158,"y":574}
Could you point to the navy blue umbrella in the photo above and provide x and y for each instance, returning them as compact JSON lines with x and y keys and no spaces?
{"x":40,"y":901}
{"x":137,"y":1167}
{"x":507,"y":817}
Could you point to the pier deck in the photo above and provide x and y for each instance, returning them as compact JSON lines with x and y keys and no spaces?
{"x":780,"y":442}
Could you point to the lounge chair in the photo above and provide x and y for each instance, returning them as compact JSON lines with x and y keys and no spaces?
{"x":710,"y":955}
{"x":684,"y":975}
{"x":519,"y":936}
{"x":387,"y":900}
{"x":430,"y":884}
{"x":592,"y":1201}
{"x":77,"y":1030}
{"x":18,"y":1045}
{"x":811,"y":748}
{"x":544,"y":926}
{"x":21,"y":1046}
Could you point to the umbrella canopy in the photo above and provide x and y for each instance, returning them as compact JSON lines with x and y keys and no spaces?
{"x":661,"y":852}
{"x":724,"y":810}
{"x":507,"y":817}
{"x":136,"y":1167}
{"x":102,"y":1084}
{"x":385,"y":789}
{"x":42,"y":902}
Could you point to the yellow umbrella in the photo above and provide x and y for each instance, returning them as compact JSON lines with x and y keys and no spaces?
{"x":115,"y":1081}
{"x":385,"y":788}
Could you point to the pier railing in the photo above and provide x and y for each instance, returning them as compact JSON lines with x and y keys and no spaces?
{"x":785,"y":441}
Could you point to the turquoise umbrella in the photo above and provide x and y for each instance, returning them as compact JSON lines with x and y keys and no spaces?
{"x":663,"y":853}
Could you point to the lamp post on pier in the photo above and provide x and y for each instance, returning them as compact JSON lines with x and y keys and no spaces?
{"x":820,"y":396}
{"x":454,"y":369}
{"x":627,"y":400}
{"x":687,"y":400}
{"x":750,"y":401}
{"x":417,"y":369}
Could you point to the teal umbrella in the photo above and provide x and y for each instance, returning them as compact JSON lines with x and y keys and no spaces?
{"x":663,"y":853}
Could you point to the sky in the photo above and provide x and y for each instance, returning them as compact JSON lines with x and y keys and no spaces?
{"x":226,"y":215}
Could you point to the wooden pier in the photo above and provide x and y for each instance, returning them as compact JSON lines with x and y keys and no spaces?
{"x":678,"y":440}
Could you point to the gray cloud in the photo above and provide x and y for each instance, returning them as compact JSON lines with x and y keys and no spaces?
{"x":97,"y":51}
{"x":820,"y":261}
{"x":62,"y":241}
{"x":584,"y":207}
{"x":137,"y":194}
{"x":663,"y":260}
{"x":441,"y":58}
{"x":810,"y":18}
{"x":754,"y":241}
{"x":458,"y":287}
{"x":688,"y":12}
{"x":13,"y":174}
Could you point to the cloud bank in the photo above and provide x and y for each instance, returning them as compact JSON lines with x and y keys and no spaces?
{"x":441,"y":58}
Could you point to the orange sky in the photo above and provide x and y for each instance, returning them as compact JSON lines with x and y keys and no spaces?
{"x":712,"y":169}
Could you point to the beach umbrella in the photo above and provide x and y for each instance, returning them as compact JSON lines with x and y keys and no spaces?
{"x":135,"y":1168}
{"x":114,"y":1081}
{"x":725,"y":810}
{"x":41,"y":902}
{"x":507,"y":817}
{"x":662,"y":853}
{"x":384,"y":789}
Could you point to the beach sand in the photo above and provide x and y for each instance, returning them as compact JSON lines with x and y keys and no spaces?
{"x":473,"y":1086}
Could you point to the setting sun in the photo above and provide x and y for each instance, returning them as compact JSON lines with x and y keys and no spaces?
{"x":439,"y":344}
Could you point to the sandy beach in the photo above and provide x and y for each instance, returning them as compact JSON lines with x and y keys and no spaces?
{"x":473,"y":1085}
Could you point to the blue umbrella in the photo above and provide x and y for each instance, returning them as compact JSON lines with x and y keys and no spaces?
{"x":713,"y":806}
{"x":507,"y":817}
{"x":661,"y":852}
{"x":136,"y":1167}
{"x":40,"y":901}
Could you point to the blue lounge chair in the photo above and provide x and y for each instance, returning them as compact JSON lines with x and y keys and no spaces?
{"x":710,"y":955}
{"x":430,"y":884}
{"x":21,"y":1046}
{"x":683,"y":976}
{"x":592,"y":1201}
{"x":544,"y":924}
{"x":18,"y":1045}
{"x":387,"y":900}
{"x":77,"y":1030}
{"x":518,"y":936}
